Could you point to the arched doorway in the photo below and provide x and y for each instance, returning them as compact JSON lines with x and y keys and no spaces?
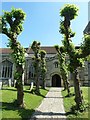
{"x":56,"y":81}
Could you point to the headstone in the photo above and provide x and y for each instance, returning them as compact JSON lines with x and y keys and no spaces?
{"x":9,"y":82}
{"x":31,"y":86}
{"x":0,"y":85}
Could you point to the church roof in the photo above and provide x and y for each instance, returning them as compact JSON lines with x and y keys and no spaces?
{"x":5,"y":50}
{"x":87,"y":29}
{"x":48,"y":49}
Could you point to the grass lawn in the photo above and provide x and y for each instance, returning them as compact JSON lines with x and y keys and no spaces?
{"x":9,"y":107}
{"x":69,"y":102}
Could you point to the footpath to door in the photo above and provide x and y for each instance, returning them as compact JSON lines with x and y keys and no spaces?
{"x":51,"y":106}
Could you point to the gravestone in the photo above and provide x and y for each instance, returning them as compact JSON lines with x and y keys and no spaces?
{"x":0,"y":85}
{"x":9,"y":82}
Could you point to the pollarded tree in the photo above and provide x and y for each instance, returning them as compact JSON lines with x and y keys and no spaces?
{"x":85,"y":46}
{"x":12,"y":27}
{"x":63,"y":67}
{"x":43,"y":67}
{"x":36,"y":48}
{"x":69,"y":12}
{"x":0,"y":24}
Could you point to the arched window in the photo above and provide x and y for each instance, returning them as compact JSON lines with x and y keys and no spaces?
{"x":6,"y":69}
{"x":56,"y":64}
{"x":31,"y":71}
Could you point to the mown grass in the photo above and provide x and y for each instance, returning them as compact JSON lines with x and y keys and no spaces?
{"x":69,"y":103}
{"x":9,"y":105}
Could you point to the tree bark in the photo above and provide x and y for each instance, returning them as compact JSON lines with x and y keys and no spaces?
{"x":37,"y":80}
{"x":78,"y":93}
{"x":64,"y":84}
{"x":43,"y":83}
{"x":67,"y":85}
{"x":20,"y":93}
{"x":37,"y":86}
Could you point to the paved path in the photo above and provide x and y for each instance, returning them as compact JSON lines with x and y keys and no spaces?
{"x":51,"y":107}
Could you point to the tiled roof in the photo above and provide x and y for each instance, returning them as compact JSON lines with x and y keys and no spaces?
{"x":87,"y":29}
{"x":48,"y":49}
{"x":5,"y":50}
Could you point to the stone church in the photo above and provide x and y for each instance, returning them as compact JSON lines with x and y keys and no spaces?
{"x":53,"y":70}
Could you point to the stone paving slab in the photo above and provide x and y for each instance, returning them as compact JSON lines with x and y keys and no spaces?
{"x":51,"y":106}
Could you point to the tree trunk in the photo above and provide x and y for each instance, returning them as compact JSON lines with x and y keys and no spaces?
{"x":43,"y":83}
{"x":37,"y":81}
{"x":68,"y":87}
{"x":37,"y":86}
{"x":20,"y":93}
{"x":78,"y":93}
{"x":64,"y":84}
{"x":67,"y":84}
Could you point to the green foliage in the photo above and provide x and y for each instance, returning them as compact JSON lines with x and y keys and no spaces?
{"x":63,"y":66}
{"x":12,"y":21}
{"x":43,"y":62}
{"x":85,"y":46}
{"x":62,"y":60}
{"x":88,"y":58}
{"x":35,"y":47}
{"x":42,"y":53}
{"x":62,"y":29}
{"x":12,"y":26}
{"x":0,"y":24}
{"x":57,"y":48}
{"x":18,"y":52}
{"x":39,"y":61}
{"x":69,"y":11}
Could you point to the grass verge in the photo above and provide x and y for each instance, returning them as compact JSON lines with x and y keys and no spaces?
{"x":69,"y":102}
{"x":9,"y":106}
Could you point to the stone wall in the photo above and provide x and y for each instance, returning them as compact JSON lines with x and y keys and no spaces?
{"x":52,"y":69}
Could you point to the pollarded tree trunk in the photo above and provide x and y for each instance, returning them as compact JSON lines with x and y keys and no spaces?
{"x":43,"y":82}
{"x":37,"y":80}
{"x":20,"y":93}
{"x":37,"y":86}
{"x":78,"y":93}
{"x":43,"y":85}
{"x":67,"y":85}
{"x":12,"y":27}
{"x":64,"y":84}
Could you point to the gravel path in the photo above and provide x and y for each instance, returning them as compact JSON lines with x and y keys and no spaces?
{"x":51,"y":107}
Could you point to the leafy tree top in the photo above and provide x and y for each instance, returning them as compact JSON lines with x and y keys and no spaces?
{"x":35,"y":47}
{"x":42,"y":53}
{"x":12,"y":22}
{"x":85,"y":46}
{"x":69,"y":11}
{"x":12,"y":27}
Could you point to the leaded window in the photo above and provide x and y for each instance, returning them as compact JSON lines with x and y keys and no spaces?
{"x":6,"y":69}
